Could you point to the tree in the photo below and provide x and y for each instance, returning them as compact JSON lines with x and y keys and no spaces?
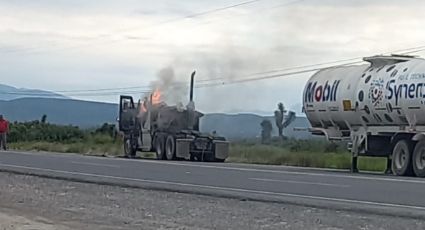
{"x":44,"y":119}
{"x":266,"y":131}
{"x":37,"y":131}
{"x":279,"y":115}
{"x":281,"y":121}
{"x":106,"y":128}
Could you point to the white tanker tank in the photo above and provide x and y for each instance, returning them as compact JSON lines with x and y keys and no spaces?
{"x":378,"y":107}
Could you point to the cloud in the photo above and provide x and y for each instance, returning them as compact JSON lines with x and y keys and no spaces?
{"x":60,"y":44}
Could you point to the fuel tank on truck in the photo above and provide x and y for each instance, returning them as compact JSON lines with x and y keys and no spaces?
{"x":389,"y":91}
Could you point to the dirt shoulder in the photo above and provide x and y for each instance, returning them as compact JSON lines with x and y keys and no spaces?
{"x":28,"y":202}
{"x":10,"y":221}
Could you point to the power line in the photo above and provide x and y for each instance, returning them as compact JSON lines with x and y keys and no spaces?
{"x":306,"y":66}
{"x":234,"y":81}
{"x":414,"y":51}
{"x":79,"y":92}
{"x":53,"y":94}
{"x":213,"y":81}
{"x":221,"y":9}
{"x":281,"y":5}
{"x":303,"y":71}
{"x":266,"y":77}
{"x":194,"y":15}
{"x":102,"y":89}
{"x":402,"y":51}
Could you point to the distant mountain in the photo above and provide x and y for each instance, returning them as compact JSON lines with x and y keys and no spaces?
{"x":60,"y":111}
{"x":244,"y":126}
{"x":8,"y":93}
{"x":90,"y":114}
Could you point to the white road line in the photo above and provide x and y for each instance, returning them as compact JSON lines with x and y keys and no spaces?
{"x":95,"y":164}
{"x":281,"y":171}
{"x":361,"y":202}
{"x":373,"y":178}
{"x":301,"y":182}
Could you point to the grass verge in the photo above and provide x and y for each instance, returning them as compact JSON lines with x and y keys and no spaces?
{"x":309,"y":153}
{"x":276,"y":155}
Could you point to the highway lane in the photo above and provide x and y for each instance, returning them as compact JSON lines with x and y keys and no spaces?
{"x":327,"y":188}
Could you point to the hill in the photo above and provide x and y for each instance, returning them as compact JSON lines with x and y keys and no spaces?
{"x":8,"y":93}
{"x":60,"y":111}
{"x":244,"y":126}
{"x":90,"y":114}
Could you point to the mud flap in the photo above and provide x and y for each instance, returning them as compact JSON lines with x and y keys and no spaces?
{"x":221,"y":149}
{"x":183,"y":148}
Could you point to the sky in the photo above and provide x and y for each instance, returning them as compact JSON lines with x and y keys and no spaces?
{"x":61,"y":45}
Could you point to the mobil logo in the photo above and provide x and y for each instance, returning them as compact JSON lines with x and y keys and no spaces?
{"x":316,"y":92}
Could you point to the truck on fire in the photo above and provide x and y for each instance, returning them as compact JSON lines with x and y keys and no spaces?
{"x":172,"y":132}
{"x":378,"y":108}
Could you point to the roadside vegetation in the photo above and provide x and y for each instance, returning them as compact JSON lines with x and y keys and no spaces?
{"x":42,"y":136}
{"x":45,"y":137}
{"x":305,"y":153}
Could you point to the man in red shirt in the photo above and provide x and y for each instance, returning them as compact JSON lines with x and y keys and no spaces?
{"x":4,"y":129}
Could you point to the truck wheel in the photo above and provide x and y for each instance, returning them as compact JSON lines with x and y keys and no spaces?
{"x":419,"y":159}
{"x":159,"y":148}
{"x":402,"y":158}
{"x":129,"y":151}
{"x":170,"y":148}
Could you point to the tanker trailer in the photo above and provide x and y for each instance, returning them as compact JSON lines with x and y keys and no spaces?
{"x":172,"y":132}
{"x":378,"y":108}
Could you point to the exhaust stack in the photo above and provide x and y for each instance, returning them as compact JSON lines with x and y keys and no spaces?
{"x":191,"y":105}
{"x":192,"y":82}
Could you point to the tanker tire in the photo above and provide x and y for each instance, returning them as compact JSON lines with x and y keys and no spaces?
{"x":402,"y":158}
{"x":418,"y":159}
{"x":159,"y":148}
{"x":170,"y":148}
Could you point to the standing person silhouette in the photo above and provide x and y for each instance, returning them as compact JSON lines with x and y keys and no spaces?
{"x":4,"y":129}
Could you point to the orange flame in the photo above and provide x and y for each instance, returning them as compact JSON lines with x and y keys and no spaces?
{"x":156,"y":97}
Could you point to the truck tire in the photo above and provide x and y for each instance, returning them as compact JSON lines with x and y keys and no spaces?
{"x":129,"y":150}
{"x":418,"y":159}
{"x":402,"y":158}
{"x":170,"y":148}
{"x":159,"y":148}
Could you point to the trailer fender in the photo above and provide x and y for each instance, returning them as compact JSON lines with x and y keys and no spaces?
{"x":418,"y":137}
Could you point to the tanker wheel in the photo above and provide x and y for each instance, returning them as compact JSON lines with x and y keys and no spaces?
{"x":419,"y":159}
{"x":402,"y":158}
{"x":129,"y":151}
{"x":159,"y":148}
{"x":170,"y":148}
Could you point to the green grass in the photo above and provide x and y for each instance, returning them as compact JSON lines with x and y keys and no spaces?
{"x":93,"y":145}
{"x":82,"y":148}
{"x":310,"y":153}
{"x":279,"y":155}
{"x":97,"y":145}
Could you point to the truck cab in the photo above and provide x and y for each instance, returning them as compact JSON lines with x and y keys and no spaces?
{"x":172,"y":132}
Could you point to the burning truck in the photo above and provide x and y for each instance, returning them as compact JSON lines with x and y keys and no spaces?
{"x":172,"y":132}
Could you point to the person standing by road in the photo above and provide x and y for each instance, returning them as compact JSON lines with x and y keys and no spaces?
{"x":4,"y":129}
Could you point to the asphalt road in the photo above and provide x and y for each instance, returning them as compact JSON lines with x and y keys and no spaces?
{"x":314,"y":187}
